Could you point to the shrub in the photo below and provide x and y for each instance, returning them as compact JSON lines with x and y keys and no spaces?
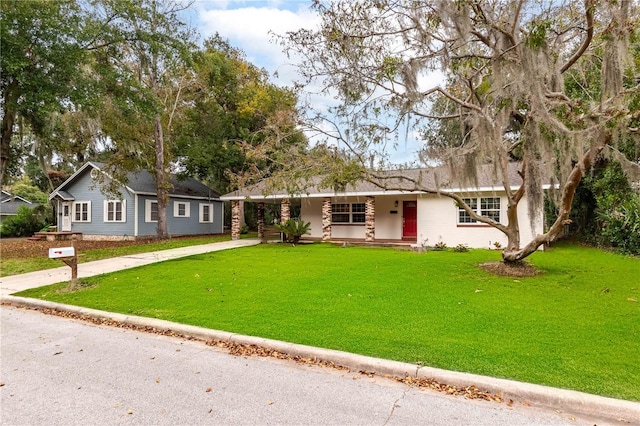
{"x":24,"y":223}
{"x":293,"y":229}
{"x":461,"y":248}
{"x":621,"y":226}
{"x":440,"y":245}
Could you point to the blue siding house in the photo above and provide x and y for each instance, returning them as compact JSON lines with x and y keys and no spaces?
{"x":9,"y":204}
{"x":193,"y":208}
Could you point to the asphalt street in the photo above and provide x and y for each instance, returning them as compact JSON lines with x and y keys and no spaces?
{"x":61,"y":371}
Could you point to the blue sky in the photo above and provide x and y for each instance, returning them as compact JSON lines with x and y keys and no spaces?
{"x":248,"y":25}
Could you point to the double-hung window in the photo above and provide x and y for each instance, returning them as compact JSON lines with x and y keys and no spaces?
{"x":206,"y":213}
{"x":348,"y":213}
{"x":181,"y":209}
{"x":484,"y":206}
{"x":82,"y":211}
{"x":150,"y":210}
{"x":115,"y":211}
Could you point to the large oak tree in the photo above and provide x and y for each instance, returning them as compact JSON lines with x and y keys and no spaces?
{"x":505,"y":97}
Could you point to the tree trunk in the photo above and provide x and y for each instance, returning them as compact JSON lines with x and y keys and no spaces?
{"x":161,"y":186}
{"x":568,"y":191}
{"x":8,"y":119}
{"x":513,"y":228}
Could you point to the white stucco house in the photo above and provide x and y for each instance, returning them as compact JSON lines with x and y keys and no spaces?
{"x":366,"y":212}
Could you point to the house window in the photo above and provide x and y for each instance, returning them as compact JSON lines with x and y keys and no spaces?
{"x":181,"y":209}
{"x":348,"y":213}
{"x":82,"y":211}
{"x":489,"y":207}
{"x":151,"y":211}
{"x":115,"y":211}
{"x":206,"y":213}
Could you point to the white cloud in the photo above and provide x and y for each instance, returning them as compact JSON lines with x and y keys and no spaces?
{"x":251,"y":29}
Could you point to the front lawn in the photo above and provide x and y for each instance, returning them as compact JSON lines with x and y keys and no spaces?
{"x":576,"y":326}
{"x":19,"y":256}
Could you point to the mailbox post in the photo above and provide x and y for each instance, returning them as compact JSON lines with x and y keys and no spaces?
{"x":69,"y":256}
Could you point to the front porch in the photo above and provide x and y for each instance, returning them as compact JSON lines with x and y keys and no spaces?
{"x":360,"y":219}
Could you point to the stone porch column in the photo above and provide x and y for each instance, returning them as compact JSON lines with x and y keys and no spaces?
{"x":370,"y":219}
{"x":285,"y":210}
{"x":326,"y":219}
{"x":260,"y":211}
{"x":235,"y":219}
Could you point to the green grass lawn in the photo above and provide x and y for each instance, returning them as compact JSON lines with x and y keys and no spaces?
{"x":14,"y":266}
{"x":576,"y":326}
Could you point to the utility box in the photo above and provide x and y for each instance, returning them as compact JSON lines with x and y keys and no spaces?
{"x":56,"y":253}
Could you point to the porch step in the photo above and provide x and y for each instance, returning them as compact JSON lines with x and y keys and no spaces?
{"x":37,"y":238}
{"x":56,"y":236}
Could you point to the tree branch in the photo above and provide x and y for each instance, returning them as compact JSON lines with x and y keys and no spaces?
{"x":589,"y":6}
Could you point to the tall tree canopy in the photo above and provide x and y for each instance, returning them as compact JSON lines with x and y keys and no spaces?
{"x":551,"y":84}
{"x":234,"y":107}
{"x":43,"y":44}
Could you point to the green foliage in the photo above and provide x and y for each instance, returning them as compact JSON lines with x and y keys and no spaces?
{"x":294,"y":229}
{"x":24,"y":223}
{"x":234,"y":108}
{"x":606,"y":210}
{"x":620,"y":224}
{"x":439,"y":246}
{"x":461,"y":248}
{"x":25,"y":189}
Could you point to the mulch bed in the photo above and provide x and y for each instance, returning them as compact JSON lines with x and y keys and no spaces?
{"x":518,"y":269}
{"x":20,"y":248}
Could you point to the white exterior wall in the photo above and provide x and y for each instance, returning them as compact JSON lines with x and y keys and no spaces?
{"x":438,"y":221}
{"x":311,"y":211}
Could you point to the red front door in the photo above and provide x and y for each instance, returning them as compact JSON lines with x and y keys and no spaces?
{"x":409,"y":219}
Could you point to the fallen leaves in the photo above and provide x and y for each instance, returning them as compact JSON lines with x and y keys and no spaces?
{"x":469,"y":392}
{"x":246,"y":350}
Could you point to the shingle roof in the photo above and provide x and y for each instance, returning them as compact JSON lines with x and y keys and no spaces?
{"x":143,"y":182}
{"x":11,"y":207}
{"x":395,"y":180}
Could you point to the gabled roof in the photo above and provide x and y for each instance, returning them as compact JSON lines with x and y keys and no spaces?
{"x":11,"y":207}
{"x":393,"y":182}
{"x":139,"y":182}
{"x":8,"y":197}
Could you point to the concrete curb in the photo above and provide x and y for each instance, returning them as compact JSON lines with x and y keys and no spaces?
{"x":577,"y":403}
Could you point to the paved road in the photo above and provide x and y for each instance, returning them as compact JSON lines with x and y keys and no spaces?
{"x":60,"y":371}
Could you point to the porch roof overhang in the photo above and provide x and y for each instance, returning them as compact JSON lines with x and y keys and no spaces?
{"x":61,"y":195}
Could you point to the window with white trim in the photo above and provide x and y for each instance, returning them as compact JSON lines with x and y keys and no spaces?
{"x":484,"y":206}
{"x":115,"y":211}
{"x":181,"y":209}
{"x":348,"y":213}
{"x":81,"y":211}
{"x":205,"y":213}
{"x":150,"y":210}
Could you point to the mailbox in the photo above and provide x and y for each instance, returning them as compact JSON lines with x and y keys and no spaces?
{"x":55,"y":253}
